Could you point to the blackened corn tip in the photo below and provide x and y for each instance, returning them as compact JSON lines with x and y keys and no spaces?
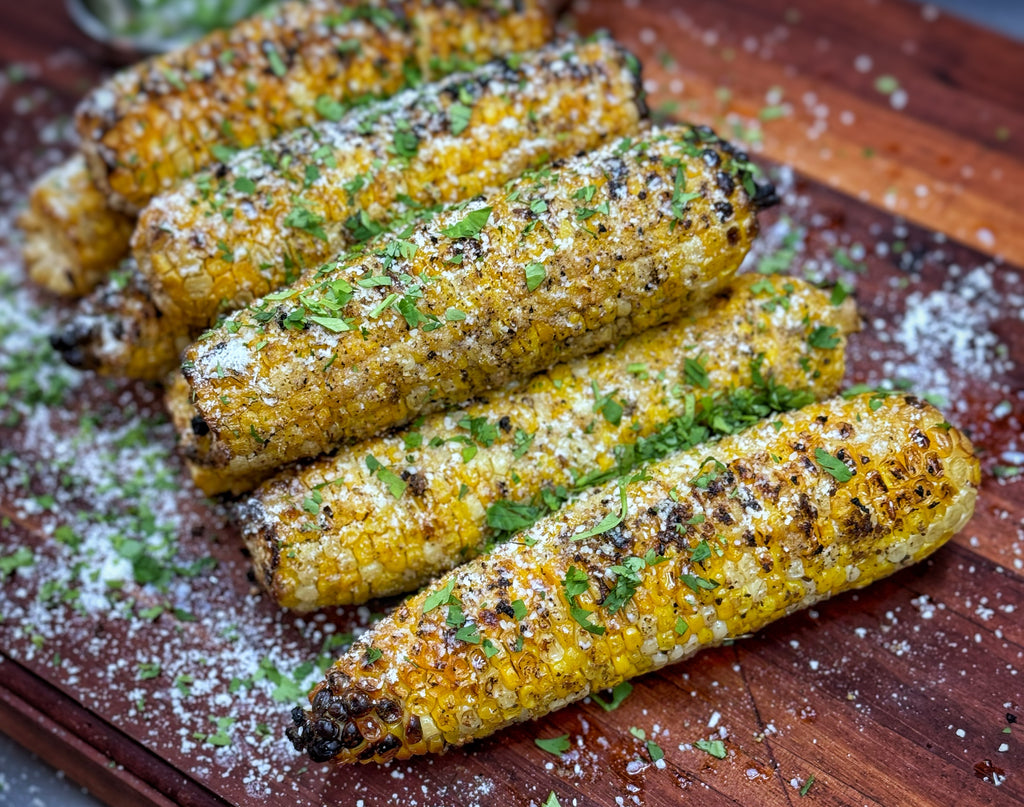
{"x":765,"y":195}
{"x":68,"y":341}
{"x":354,"y":721}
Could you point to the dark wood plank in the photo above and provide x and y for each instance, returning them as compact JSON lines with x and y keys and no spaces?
{"x":113,"y":767}
{"x":932,"y":161}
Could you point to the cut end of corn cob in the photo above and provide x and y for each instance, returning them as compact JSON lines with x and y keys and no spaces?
{"x":224,"y":239}
{"x":334,"y":532}
{"x":708,"y":545}
{"x":117,"y":331}
{"x":564,"y":262}
{"x":160,"y":121}
{"x":73,"y":239}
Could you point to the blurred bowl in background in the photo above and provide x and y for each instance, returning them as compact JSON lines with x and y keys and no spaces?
{"x":131,"y":29}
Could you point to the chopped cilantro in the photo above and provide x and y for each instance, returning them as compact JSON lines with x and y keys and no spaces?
{"x":619,"y":693}
{"x":575,"y":582}
{"x":554,"y":745}
{"x":714,"y":747}
{"x":275,"y":61}
{"x":458,"y":117}
{"x":610,"y":520}
{"x":302,"y":218}
{"x":697,"y":584}
{"x":696,"y":374}
{"x":535,"y":275}
{"x":511,"y":516}
{"x":19,"y":559}
{"x":394,"y":483}
{"x":701,"y":552}
{"x":469,"y":634}
{"x":329,"y":108}
{"x":824,"y":337}
{"x":222,"y":153}
{"x":405,"y":143}
{"x":471,"y":226}
{"x":439,"y":597}
{"x":836,"y":467}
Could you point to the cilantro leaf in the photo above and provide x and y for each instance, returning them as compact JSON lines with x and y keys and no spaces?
{"x":458,"y":117}
{"x":575,"y":582}
{"x":468,"y":633}
{"x":535,"y":275}
{"x":836,"y":467}
{"x":329,"y":108}
{"x":696,"y":584}
{"x":554,"y":745}
{"x":824,"y":337}
{"x":439,"y":597}
{"x":582,"y":617}
{"x":471,"y":226}
{"x":620,"y":692}
{"x":511,"y":516}
{"x":610,"y":520}
{"x":714,"y":747}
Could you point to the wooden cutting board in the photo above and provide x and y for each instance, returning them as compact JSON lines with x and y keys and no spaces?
{"x":897,"y":135}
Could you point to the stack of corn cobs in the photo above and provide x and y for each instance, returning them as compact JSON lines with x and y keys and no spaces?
{"x":438,"y":304}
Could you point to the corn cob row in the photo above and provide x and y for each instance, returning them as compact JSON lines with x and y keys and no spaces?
{"x":709,"y":545}
{"x":561,"y":264}
{"x":205,"y":245}
{"x":221,"y":241}
{"x":72,"y":237}
{"x":335,"y":533}
{"x":116,"y":330}
{"x":164,"y":119}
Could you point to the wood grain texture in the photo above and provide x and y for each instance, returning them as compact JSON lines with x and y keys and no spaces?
{"x":897,"y":695}
{"x":951,"y":159}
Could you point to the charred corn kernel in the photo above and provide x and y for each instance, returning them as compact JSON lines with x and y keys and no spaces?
{"x":160,"y":121}
{"x":471,"y":471}
{"x":117,"y":331}
{"x":220,"y":241}
{"x":737,"y":528}
{"x":633,"y":233}
{"x":73,"y":239}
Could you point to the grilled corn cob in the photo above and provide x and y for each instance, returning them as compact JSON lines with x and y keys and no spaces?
{"x":563,"y":263}
{"x":709,"y":545}
{"x":72,"y":237}
{"x":159,"y":121}
{"x":222,"y":241}
{"x":335,"y":533}
{"x":116,"y":330}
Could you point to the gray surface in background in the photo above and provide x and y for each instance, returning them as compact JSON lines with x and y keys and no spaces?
{"x":25,"y":781}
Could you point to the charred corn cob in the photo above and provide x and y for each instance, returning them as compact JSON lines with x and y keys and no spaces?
{"x":116,"y":330}
{"x":562,"y":263}
{"x":709,"y":545}
{"x":159,"y":121}
{"x":72,"y":237}
{"x":222,"y":241}
{"x":199,"y":249}
{"x":339,"y":532}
